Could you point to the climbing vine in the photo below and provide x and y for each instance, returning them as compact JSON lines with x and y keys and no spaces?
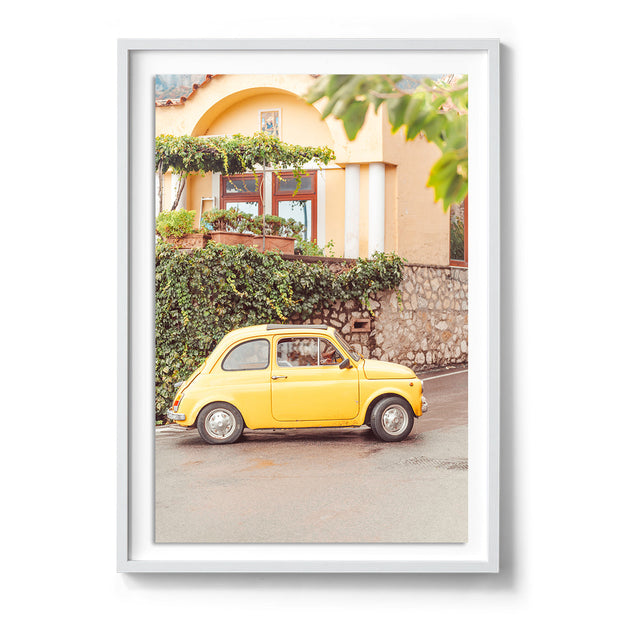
{"x":202,"y":295}
{"x":185,"y":155}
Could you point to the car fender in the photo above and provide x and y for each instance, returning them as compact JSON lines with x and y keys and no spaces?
{"x":255,"y":416}
{"x":198,"y":406}
{"x":411,"y":393}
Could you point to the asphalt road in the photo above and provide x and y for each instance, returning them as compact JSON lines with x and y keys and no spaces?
{"x":321,"y":485}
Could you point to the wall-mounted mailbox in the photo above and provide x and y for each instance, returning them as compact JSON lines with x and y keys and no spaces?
{"x":360,"y":325}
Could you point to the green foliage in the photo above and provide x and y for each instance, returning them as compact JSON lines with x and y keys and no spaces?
{"x":174,"y":223}
{"x":434,"y":109}
{"x":308,"y":248}
{"x":203,"y":294}
{"x":185,"y":155}
{"x":232,"y":155}
{"x":226,"y":220}
{"x":457,"y":235}
{"x":233,"y":220}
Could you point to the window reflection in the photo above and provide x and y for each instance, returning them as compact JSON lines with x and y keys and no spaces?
{"x":251,"y":355}
{"x":329,"y":354}
{"x":300,"y":211}
{"x":289,"y":184}
{"x":298,"y":352}
{"x":242,"y":185}
{"x":250,"y":207}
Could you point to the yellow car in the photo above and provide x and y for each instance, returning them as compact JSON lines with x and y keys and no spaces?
{"x":295,"y":376}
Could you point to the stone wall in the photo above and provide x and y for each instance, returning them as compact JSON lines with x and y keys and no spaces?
{"x":425,"y":328}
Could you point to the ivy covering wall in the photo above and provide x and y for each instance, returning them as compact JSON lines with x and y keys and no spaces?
{"x":203,"y":294}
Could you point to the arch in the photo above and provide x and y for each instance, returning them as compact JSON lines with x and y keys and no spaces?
{"x":301,"y":123}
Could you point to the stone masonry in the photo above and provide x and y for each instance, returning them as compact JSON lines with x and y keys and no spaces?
{"x":423,"y":325}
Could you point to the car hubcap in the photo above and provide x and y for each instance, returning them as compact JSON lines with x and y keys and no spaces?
{"x":220,"y":424}
{"x":394,"y":419}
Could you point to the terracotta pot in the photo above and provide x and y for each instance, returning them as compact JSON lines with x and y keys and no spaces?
{"x":285,"y":245}
{"x":231,"y":238}
{"x":191,"y":241}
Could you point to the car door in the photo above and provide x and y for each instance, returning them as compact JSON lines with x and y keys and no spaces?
{"x":307,"y":382}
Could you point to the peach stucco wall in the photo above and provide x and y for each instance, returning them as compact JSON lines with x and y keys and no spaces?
{"x":334,"y":210}
{"x":423,"y":226}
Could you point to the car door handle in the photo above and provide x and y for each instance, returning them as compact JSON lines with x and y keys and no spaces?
{"x":278,"y":376}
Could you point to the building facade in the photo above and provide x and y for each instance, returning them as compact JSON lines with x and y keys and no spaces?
{"x":373,"y":197}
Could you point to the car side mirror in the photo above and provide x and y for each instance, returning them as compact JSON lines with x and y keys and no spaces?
{"x":345,"y":363}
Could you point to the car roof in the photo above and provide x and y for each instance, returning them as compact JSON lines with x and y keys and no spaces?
{"x":255,"y":330}
{"x":235,"y":335}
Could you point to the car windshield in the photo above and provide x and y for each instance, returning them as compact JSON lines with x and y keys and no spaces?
{"x":346,"y":348}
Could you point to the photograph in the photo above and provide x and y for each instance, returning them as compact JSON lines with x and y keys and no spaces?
{"x":311,"y":308}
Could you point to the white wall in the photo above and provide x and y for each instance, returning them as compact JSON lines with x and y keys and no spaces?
{"x":560,"y":342}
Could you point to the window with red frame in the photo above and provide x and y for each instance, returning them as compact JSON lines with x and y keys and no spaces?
{"x":300,"y":205}
{"x":242,"y":192}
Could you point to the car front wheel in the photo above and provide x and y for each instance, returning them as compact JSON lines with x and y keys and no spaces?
{"x":391,"y":419}
{"x":220,"y":423}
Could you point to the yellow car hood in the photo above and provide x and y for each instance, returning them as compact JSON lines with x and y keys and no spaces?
{"x":375,"y":369}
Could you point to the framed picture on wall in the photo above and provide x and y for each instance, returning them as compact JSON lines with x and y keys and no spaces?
{"x":330,"y":402}
{"x":270,"y":122}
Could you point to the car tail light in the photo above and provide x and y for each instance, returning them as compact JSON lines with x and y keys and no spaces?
{"x":177,"y":402}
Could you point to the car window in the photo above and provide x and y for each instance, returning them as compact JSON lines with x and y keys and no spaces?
{"x":347,"y":348}
{"x":307,"y":352}
{"x":328,"y":353}
{"x":298,"y":352}
{"x":250,"y":355}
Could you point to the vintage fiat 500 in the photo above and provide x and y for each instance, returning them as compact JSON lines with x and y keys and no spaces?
{"x":295,"y":376}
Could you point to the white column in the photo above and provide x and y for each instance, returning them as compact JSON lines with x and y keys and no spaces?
{"x":216,"y":180}
{"x":376,"y":208}
{"x":157,"y":194}
{"x":352,"y":211}
{"x":173,"y":194}
{"x":267,"y":192}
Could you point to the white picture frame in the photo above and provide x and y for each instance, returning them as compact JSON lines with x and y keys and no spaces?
{"x":138,"y":61}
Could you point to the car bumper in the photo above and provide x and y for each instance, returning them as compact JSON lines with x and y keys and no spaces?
{"x":424,"y":405}
{"x":177,"y":417}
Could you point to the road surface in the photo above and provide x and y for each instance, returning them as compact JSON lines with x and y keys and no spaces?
{"x":321,"y":485}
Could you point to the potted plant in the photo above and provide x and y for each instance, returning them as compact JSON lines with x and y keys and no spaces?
{"x":276,"y":234}
{"x":228,"y":226}
{"x":177,"y":228}
{"x":265,"y":233}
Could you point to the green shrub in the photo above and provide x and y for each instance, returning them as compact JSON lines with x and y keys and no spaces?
{"x":202,"y":295}
{"x":308,"y":248}
{"x":457,"y":234}
{"x":174,"y":223}
{"x":233,"y":220}
{"x":225,"y":220}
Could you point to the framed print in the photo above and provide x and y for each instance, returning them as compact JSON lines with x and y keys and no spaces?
{"x":308,"y":312}
{"x":270,"y":122}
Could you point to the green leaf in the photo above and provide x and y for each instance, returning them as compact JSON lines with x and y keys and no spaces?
{"x":354,"y":117}
{"x":450,"y":186}
{"x":434,"y":127}
{"x":415,"y":116}
{"x":396,"y":111}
